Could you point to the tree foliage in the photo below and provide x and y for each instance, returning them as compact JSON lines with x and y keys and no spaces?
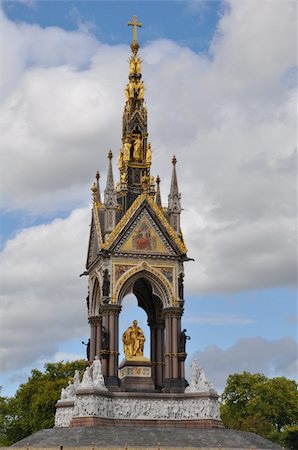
{"x":33,"y":406}
{"x":266,"y":406}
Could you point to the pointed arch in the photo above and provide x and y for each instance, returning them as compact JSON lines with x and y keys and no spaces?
{"x":161,"y":287}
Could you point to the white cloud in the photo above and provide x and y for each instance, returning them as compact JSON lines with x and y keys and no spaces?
{"x":255,"y":355}
{"x":43,"y":298}
{"x":230,"y":120}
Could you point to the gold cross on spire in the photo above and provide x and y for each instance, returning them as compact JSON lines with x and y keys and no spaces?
{"x":135,"y":24}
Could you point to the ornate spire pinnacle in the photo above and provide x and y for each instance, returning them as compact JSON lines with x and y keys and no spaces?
{"x":158,"y":196}
{"x":134,"y":159}
{"x":110,"y":199}
{"x":94,"y":192}
{"x":134,"y":45}
{"x":174,"y":203}
{"x":98,"y":196}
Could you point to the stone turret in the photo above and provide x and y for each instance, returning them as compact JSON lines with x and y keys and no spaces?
{"x":158,"y":196}
{"x":98,"y":196}
{"x":174,"y":201}
{"x":110,"y":200}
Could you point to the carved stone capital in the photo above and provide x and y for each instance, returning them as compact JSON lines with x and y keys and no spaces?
{"x":110,"y":309}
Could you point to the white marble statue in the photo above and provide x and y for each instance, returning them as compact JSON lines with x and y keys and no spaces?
{"x":68,"y":393}
{"x":97,"y":376}
{"x":76,"y":379}
{"x":70,"y":390}
{"x":63,"y":394}
{"x":198,"y":379}
{"x":87,"y":378}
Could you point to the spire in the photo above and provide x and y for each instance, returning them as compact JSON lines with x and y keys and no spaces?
{"x":158,"y":196}
{"x":174,"y":201}
{"x":110,"y":199}
{"x":98,"y":196}
{"x":134,"y":159}
{"x":134,"y":45}
{"x":174,"y":204}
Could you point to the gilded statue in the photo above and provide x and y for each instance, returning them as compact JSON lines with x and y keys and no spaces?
{"x":135,"y":65}
{"x":133,"y":341}
{"x":126,"y":150}
{"x":148,"y":153}
{"x":131,"y":89}
{"x":123,"y":177}
{"x":140,"y":87}
{"x":120,"y":160}
{"x":137,"y":149}
{"x":126,"y":91}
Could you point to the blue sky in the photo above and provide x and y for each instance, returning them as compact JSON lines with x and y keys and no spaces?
{"x":221,"y":96}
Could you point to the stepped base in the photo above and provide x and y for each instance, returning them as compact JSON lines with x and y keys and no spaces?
{"x":119,"y":437}
{"x":99,"y":421}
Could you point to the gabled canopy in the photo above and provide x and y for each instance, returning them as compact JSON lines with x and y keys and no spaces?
{"x":144,"y":229}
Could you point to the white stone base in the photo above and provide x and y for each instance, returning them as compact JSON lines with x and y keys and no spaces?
{"x":122,"y":406}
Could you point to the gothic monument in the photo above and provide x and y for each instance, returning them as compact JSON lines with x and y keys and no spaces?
{"x":136,"y":246}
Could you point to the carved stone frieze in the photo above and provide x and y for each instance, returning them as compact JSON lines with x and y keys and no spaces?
{"x":63,"y":415}
{"x":99,"y":405}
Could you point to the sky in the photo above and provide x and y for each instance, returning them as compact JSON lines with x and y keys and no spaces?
{"x":220,"y":90}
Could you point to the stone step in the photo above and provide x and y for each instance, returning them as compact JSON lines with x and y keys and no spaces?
{"x":147,"y":437}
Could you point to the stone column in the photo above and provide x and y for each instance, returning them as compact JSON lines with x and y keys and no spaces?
{"x":168,"y":348}
{"x":92,"y":322}
{"x":153,"y":341}
{"x":174,"y":347}
{"x":110,"y":313}
{"x":160,"y":355}
{"x":173,"y":381}
{"x":103,"y":353}
{"x":97,"y":350}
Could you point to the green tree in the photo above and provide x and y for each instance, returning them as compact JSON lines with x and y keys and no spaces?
{"x":266,"y":406}
{"x":33,"y":406}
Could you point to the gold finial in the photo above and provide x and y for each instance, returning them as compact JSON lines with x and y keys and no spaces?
{"x":134,"y":45}
{"x":174,"y":160}
{"x":94,"y":191}
{"x":97,"y":176}
{"x":110,"y":154}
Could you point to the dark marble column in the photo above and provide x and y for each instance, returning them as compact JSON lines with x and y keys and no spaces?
{"x":92,"y":322}
{"x":98,"y":336}
{"x":110,"y":314}
{"x":157,"y":351}
{"x":173,"y":380}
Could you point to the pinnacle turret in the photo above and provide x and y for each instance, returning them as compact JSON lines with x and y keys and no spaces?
{"x":174,"y":201}
{"x":158,"y":196}
{"x":110,"y":199}
{"x":98,"y":196}
{"x":174,"y":198}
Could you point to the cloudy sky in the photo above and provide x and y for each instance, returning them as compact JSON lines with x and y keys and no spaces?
{"x":220,"y":91}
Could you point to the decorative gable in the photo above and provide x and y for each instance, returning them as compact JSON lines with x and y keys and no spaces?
{"x":162,"y":237}
{"x":144,"y":236}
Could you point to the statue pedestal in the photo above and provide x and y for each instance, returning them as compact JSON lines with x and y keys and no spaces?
{"x":135,"y":375}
